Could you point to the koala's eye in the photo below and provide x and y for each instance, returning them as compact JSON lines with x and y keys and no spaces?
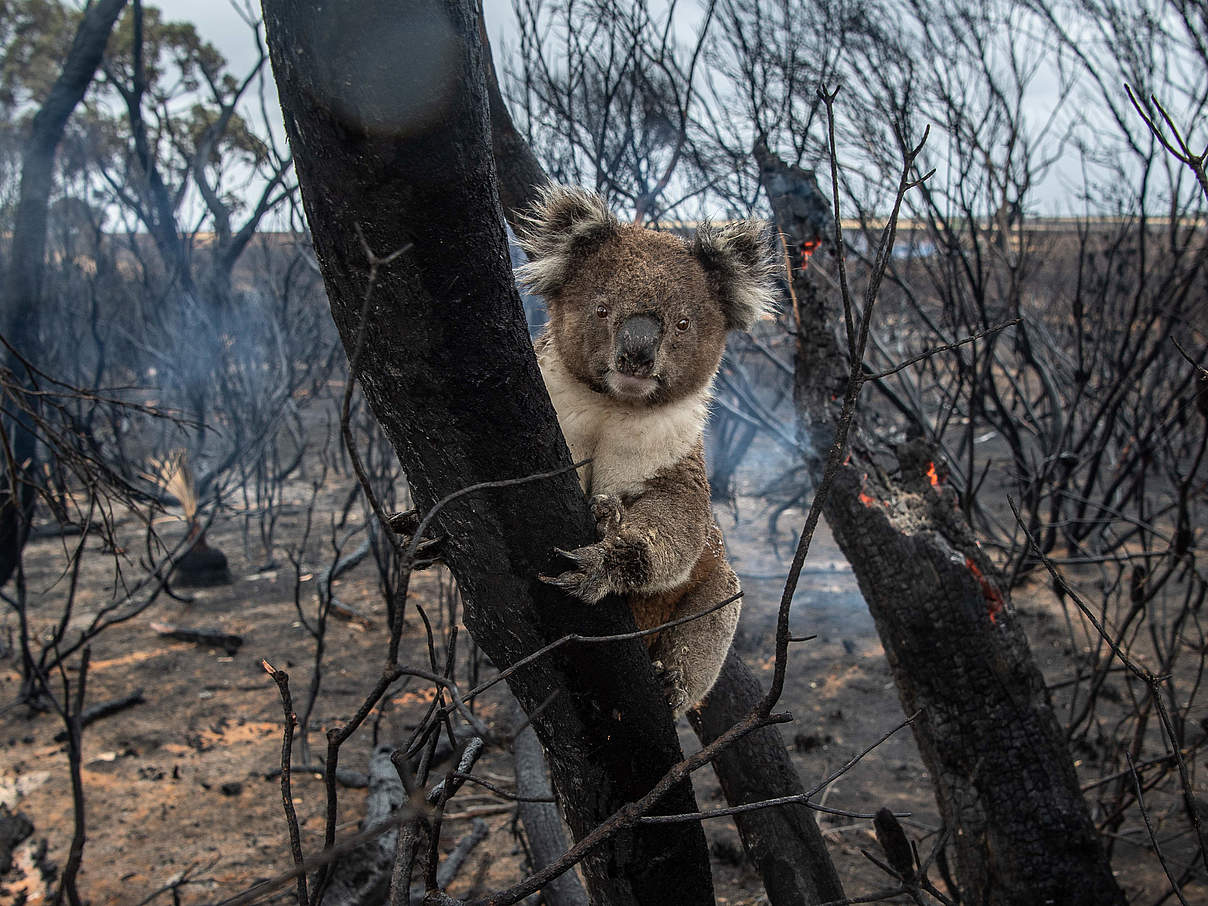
{"x":602,"y":310}
{"x":682,"y":325}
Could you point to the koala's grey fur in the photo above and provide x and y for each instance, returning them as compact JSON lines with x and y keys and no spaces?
{"x":641,"y":426}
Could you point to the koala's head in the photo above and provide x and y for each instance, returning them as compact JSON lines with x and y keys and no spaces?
{"x":637,"y":314}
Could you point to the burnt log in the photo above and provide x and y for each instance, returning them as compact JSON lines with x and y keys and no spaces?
{"x":105,"y":709}
{"x":1003,"y":776}
{"x":211,"y":638}
{"x":393,"y":155}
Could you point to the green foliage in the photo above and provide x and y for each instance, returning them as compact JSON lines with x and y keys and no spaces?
{"x":34,"y":38}
{"x":185,"y":86}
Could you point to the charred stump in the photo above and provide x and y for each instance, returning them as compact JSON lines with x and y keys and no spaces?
{"x":1003,"y":776}
{"x":201,"y":565}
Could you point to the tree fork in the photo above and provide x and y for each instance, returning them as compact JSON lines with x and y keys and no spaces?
{"x":386,"y":111}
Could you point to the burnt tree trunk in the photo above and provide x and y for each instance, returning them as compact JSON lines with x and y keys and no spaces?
{"x":1003,"y":776}
{"x":386,"y":111}
{"x":519,"y":175}
{"x":783,"y":843}
{"x":23,"y":293}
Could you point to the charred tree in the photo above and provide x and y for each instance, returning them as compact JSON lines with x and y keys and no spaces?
{"x":27,"y":263}
{"x":518,"y":173}
{"x":783,"y":843}
{"x":23,"y":296}
{"x":393,"y":155}
{"x":1003,"y":776}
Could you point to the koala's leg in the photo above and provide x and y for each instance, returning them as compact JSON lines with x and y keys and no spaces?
{"x":689,"y":657}
{"x":650,"y":541}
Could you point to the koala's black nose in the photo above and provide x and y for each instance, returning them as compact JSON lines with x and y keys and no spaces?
{"x":637,"y":343}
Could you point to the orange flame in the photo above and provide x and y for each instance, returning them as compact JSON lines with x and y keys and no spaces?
{"x":994,"y":600}
{"x":931,"y":474}
{"x":808,"y":247}
{"x":864,"y":498}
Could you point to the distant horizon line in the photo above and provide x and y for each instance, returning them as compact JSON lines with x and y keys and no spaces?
{"x":1041,"y":223}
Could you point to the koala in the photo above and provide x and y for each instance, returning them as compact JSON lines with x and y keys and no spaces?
{"x":638,"y":324}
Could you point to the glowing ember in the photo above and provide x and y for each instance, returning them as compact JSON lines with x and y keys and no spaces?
{"x":808,"y":247}
{"x":931,"y":474}
{"x":994,"y":601}
{"x":864,"y":498}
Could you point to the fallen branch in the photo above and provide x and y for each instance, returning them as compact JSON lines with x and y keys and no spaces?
{"x":105,"y":709}
{"x":211,"y":638}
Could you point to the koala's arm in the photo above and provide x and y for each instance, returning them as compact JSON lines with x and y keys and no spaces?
{"x":650,"y":541}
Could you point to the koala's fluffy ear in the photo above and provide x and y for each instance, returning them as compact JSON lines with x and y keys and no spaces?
{"x":564,"y":222}
{"x":739,"y":255}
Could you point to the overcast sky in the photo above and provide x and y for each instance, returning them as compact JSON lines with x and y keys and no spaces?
{"x":218,"y":22}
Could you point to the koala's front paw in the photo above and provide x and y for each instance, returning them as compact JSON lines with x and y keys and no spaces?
{"x":608,"y":511}
{"x":588,"y":581}
{"x":672,"y":679}
{"x":429,"y":551}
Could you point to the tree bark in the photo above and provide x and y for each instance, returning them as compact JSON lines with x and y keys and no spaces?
{"x":1003,"y":777}
{"x":386,"y":111}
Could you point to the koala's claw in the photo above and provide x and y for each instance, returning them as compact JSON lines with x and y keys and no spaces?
{"x":672,"y":679}
{"x":588,"y":581}
{"x":607,"y":510}
{"x":429,"y":551}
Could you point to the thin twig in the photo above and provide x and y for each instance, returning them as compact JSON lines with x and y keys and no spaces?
{"x":281,"y":678}
{"x":1152,"y":681}
{"x":1174,"y":885}
{"x":944,"y":347}
{"x":802,"y":798}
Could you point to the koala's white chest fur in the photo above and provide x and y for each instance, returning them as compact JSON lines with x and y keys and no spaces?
{"x":627,"y":444}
